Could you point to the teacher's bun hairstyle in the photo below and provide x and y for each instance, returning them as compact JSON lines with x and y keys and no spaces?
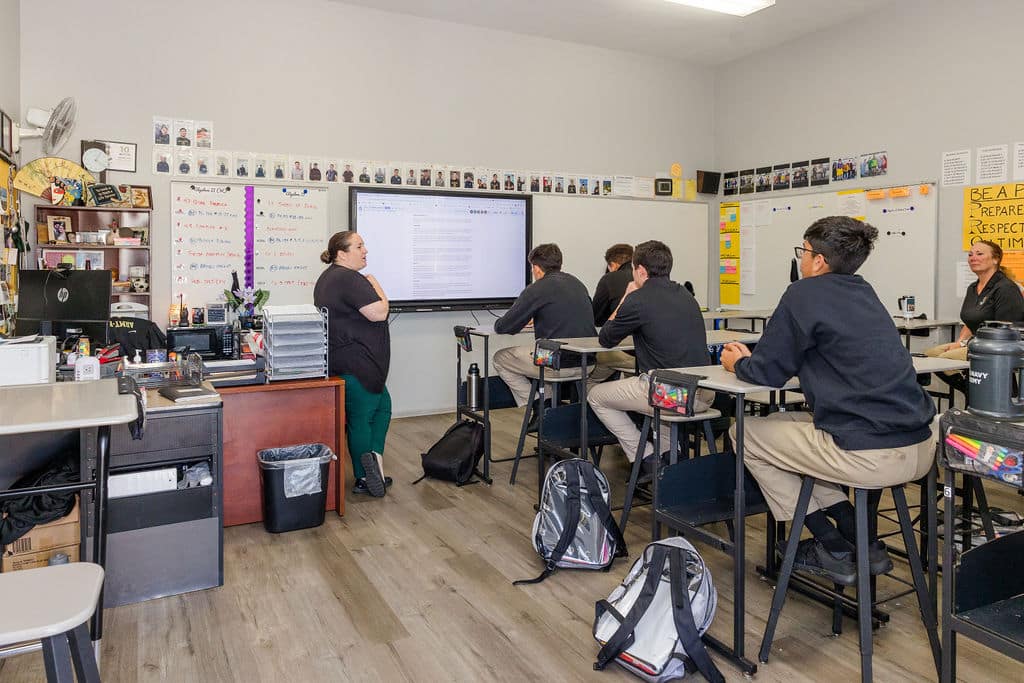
{"x":340,"y":241}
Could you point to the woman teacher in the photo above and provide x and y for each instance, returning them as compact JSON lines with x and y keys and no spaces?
{"x":359,"y":344}
{"x":993,"y":296}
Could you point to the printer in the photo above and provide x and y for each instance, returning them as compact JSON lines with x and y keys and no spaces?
{"x":28,"y":360}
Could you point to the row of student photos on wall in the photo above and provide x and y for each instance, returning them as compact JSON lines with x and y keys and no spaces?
{"x":803,"y":173}
{"x":214,"y":164}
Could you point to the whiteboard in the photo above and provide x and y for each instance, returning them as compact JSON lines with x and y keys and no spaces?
{"x":585,"y":228}
{"x":271,"y":235}
{"x":903,"y":260}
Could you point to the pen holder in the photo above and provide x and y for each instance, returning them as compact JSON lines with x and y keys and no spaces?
{"x":547,"y":353}
{"x":981,"y":446}
{"x":463,"y":337}
{"x":673,"y":391}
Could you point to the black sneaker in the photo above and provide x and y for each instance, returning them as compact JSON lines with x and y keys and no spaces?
{"x":879,"y":561}
{"x":360,"y":486}
{"x":535,"y":415}
{"x":376,"y":485}
{"x":811,"y":557}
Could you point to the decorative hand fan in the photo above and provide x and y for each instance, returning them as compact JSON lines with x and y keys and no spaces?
{"x":47,"y":177}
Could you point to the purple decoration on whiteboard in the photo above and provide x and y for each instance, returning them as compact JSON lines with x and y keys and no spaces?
{"x":249,"y":237}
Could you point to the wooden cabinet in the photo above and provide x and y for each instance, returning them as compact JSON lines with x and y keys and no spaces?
{"x":90,"y":234}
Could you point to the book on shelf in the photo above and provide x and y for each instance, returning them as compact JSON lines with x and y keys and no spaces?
{"x":183,"y":394}
{"x":127,"y":241}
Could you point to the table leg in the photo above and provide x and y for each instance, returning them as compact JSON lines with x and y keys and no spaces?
{"x":540,"y":434}
{"x":583,"y":405}
{"x":948,"y":636}
{"x":739,"y":524}
{"x":99,"y":539}
{"x":487,"y":410}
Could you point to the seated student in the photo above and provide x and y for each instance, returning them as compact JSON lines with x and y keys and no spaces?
{"x":559,"y":306}
{"x":870,"y":424}
{"x":612,"y":285}
{"x":993,"y":296}
{"x":668,"y":332}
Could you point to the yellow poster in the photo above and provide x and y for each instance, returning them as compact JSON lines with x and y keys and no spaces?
{"x":729,"y":254}
{"x":994,"y":213}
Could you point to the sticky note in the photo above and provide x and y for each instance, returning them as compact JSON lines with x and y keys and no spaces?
{"x":898,"y":192}
{"x":875,"y":194}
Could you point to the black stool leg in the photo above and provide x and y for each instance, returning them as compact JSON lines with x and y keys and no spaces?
{"x":634,"y":474}
{"x":983,"y":509}
{"x":795,"y":529}
{"x":522,"y":431}
{"x":860,"y":504}
{"x":82,"y":655}
{"x":57,"y":658}
{"x":837,"y":610}
{"x":920,"y":585}
{"x":709,"y":437}
{"x":656,"y":428}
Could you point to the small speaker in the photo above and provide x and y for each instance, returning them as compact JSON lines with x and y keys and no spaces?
{"x":707,"y":182}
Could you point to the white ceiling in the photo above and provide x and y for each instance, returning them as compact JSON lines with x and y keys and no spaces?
{"x":653,"y":27}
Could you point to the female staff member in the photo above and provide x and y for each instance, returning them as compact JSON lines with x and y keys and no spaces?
{"x":994,"y":296}
{"x":359,"y":343}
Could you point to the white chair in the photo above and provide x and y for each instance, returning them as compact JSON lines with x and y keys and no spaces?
{"x":52,"y":605}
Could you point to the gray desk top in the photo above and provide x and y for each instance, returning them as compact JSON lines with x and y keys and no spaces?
{"x":720,"y":379}
{"x":63,"y":405}
{"x":726,"y":336}
{"x":913,"y":324}
{"x":592,"y":345}
{"x":752,"y":314}
{"x":488,"y":331}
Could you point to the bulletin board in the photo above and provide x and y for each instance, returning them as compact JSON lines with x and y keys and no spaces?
{"x":903,"y":260}
{"x":271,"y":235}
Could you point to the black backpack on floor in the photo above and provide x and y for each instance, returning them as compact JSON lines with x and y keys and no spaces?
{"x":456,"y":454}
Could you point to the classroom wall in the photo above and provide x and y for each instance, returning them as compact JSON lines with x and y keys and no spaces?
{"x":918,"y":79}
{"x":10,"y":58}
{"x":314,"y":76}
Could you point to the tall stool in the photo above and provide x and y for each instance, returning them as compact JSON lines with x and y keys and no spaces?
{"x":53,"y":604}
{"x":555,"y":383}
{"x":860,"y":497}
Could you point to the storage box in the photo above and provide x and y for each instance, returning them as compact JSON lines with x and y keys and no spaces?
{"x":62,"y":532}
{"x":14,"y":563}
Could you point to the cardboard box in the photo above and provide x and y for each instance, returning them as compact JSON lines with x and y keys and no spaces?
{"x":61,"y":532}
{"x":14,"y":563}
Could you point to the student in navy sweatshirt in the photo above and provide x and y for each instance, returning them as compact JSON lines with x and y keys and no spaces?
{"x":870,"y":421}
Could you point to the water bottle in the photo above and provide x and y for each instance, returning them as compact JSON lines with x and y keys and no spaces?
{"x":996,"y":355}
{"x":473,"y":397}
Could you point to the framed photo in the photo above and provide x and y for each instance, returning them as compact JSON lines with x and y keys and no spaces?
{"x":6,"y":136}
{"x":102,"y":194}
{"x":57,"y":228}
{"x":141,"y":196}
{"x":123,"y":155}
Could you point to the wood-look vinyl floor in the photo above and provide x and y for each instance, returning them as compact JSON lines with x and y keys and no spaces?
{"x":418,"y":587}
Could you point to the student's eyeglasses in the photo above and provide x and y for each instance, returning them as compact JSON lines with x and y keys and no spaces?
{"x":799,"y":251}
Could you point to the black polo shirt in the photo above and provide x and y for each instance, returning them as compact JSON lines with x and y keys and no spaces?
{"x":609,"y":291}
{"x":356,"y":346}
{"x":999,"y":300}
{"x":558,"y":304}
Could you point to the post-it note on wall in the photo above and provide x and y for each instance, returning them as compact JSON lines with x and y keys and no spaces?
{"x":690,"y":194}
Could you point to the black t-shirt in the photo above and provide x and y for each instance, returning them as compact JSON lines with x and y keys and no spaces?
{"x":610,"y":289}
{"x":559,"y":305}
{"x":999,"y":300}
{"x":356,"y":346}
{"x":136,"y":334}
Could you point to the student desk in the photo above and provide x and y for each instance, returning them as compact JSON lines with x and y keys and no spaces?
{"x":717,"y":378}
{"x":908,"y":327}
{"x":482,"y":415}
{"x":89,"y":407}
{"x":753,"y":315}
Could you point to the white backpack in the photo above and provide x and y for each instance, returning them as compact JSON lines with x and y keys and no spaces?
{"x":652,"y":623}
{"x":574,"y":526}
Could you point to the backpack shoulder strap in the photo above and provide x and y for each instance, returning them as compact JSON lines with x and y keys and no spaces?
{"x":572,"y":522}
{"x":682,"y":614}
{"x":624,"y":636}
{"x":600,"y":507}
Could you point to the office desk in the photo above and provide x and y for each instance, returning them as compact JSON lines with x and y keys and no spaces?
{"x":90,"y":407}
{"x":717,"y":317}
{"x":717,"y":378}
{"x":907,"y":327}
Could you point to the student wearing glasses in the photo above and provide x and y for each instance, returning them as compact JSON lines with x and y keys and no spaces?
{"x":870,"y":421}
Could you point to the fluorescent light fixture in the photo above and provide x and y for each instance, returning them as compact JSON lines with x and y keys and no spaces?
{"x":738,"y":8}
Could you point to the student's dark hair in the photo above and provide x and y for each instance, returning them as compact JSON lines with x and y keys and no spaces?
{"x":844,"y":242}
{"x":997,"y":254}
{"x":340,"y":241}
{"x":547,"y":257}
{"x":655,"y":256}
{"x":618,"y":253}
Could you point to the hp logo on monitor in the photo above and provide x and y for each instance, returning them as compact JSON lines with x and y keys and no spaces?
{"x":62,"y":295}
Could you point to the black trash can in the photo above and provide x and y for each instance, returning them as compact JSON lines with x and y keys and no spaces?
{"x":294,"y":486}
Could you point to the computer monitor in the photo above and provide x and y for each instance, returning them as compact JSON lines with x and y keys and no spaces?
{"x":51,"y":301}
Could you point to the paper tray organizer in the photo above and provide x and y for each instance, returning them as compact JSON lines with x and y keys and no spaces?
{"x":295,"y":339}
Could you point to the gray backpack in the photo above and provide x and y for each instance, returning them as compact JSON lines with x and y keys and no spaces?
{"x":574,"y":527}
{"x":652,"y":623}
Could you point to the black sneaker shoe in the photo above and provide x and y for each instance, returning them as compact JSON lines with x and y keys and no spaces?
{"x":535,"y":415}
{"x":360,"y":487}
{"x":879,"y":561}
{"x":811,"y":557}
{"x":376,"y":484}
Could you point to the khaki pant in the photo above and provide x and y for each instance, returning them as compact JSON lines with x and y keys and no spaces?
{"x":515,"y":366}
{"x":606,"y":362}
{"x":612,"y":400}
{"x":779,"y":448}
